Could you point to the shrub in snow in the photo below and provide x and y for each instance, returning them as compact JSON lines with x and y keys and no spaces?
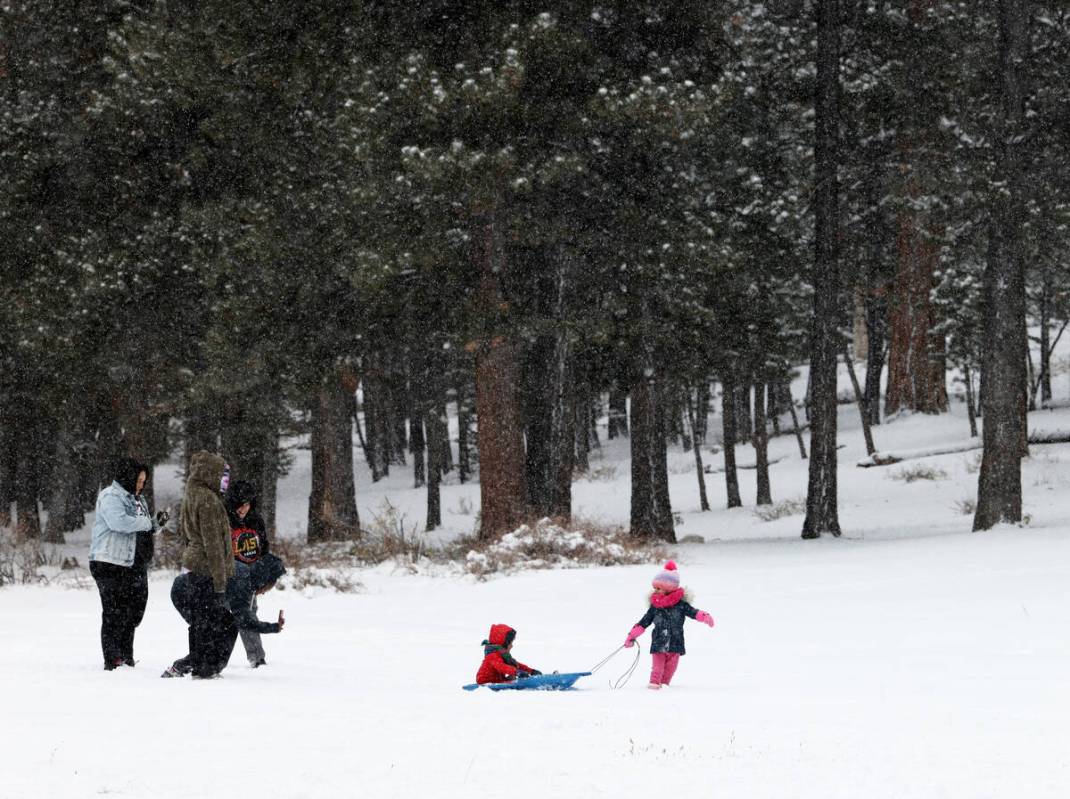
{"x":605,"y":473}
{"x":329,"y":565}
{"x":547,"y":545}
{"x":779,"y":510}
{"x":909,"y":474}
{"x":25,"y":561}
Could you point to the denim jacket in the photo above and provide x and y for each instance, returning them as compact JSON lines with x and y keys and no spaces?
{"x":120,"y":516}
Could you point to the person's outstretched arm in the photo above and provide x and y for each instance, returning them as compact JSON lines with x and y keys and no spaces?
{"x":640,"y":627}
{"x":697,"y":615}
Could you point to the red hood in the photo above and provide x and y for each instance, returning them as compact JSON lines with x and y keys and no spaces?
{"x":498,"y":634}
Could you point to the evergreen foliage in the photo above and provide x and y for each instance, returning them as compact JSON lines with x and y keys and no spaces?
{"x":229,"y":223}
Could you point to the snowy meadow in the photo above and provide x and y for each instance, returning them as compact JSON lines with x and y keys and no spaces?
{"x":909,"y":658}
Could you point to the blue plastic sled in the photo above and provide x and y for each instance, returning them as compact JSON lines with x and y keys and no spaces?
{"x":540,"y":682}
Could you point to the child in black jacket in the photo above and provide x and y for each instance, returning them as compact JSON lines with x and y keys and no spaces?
{"x":249,"y":541}
{"x":248,"y":581}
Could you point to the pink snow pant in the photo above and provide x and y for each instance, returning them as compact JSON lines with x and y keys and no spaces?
{"x":664,"y":667}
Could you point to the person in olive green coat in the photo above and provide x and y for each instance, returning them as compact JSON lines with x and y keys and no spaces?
{"x":205,"y":533}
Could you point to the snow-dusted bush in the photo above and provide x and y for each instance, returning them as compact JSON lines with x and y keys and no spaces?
{"x":547,"y":545}
{"x":26,"y":561}
{"x":603,"y":473}
{"x":329,"y":565}
{"x":910,"y":474}
{"x":779,"y":510}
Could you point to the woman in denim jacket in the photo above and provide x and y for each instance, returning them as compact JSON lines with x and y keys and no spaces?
{"x":119,"y":555}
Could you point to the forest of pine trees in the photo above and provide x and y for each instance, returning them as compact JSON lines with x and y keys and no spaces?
{"x":224,"y":222}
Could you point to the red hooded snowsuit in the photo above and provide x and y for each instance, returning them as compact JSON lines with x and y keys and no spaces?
{"x":498,"y":665}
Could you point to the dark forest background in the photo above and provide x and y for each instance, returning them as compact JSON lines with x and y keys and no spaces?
{"x":221,"y":219}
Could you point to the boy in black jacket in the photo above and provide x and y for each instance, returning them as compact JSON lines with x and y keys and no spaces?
{"x":248,"y":538}
{"x":248,"y":581}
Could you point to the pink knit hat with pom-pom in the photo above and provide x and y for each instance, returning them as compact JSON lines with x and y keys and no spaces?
{"x":668,"y":579}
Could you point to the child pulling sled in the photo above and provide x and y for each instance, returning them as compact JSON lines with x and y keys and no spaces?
{"x":667,"y":611}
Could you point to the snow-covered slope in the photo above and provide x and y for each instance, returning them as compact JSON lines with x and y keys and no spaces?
{"x":910,"y":658}
{"x":928,"y":667}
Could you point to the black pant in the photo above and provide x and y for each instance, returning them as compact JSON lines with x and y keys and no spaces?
{"x":212,"y":631}
{"x":124,"y":592}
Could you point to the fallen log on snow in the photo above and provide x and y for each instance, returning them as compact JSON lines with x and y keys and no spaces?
{"x":888,"y":458}
{"x":720,"y":469}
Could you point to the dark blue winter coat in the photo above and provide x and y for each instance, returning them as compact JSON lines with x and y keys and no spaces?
{"x":668,"y":635}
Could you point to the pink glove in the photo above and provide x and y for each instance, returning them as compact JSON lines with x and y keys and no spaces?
{"x":704,"y":617}
{"x":634,"y":633}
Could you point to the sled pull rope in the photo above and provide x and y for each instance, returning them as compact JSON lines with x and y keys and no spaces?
{"x":623,"y":679}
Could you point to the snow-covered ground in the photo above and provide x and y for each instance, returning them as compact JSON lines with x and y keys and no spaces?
{"x":910,"y":658}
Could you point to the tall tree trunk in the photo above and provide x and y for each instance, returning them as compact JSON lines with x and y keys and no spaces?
{"x":1003,"y":380}
{"x":432,"y":423}
{"x":1045,"y":337}
{"x":859,"y":327}
{"x":464,"y":452}
{"x":822,"y":514}
{"x":250,"y":439}
{"x":594,"y":405}
{"x":915,"y":361}
{"x":444,"y":431}
{"x":501,"y":441}
{"x":28,"y":523}
{"x":368,"y":443}
{"x":554,"y":398}
{"x":744,"y":422}
{"x":971,"y":411}
{"x":332,"y":505}
{"x":704,"y":502}
{"x":618,"y":413}
{"x":702,"y":410}
{"x":682,"y":428}
{"x":761,"y":446}
{"x":379,"y":426}
{"x":269,"y":481}
{"x":651,"y":515}
{"x":582,"y":428}
{"x":728,"y":421}
{"x":501,"y":423}
{"x":358,"y":409}
{"x":876,"y":308}
{"x":772,"y":406}
{"x":64,"y":511}
{"x":416,"y":447}
{"x":201,"y":431}
{"x":859,"y":399}
{"x":8,"y":465}
{"x":790,"y":402}
{"x":399,"y":409}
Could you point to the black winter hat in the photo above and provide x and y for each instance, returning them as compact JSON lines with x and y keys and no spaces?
{"x":266,"y":570}
{"x":240,"y":492}
{"x":125,"y":472}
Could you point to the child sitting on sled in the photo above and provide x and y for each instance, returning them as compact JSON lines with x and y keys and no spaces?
{"x":498,"y":665}
{"x":667,"y":611}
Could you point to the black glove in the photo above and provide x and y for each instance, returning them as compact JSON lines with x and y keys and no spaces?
{"x":534,"y":672}
{"x":162,"y":517}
